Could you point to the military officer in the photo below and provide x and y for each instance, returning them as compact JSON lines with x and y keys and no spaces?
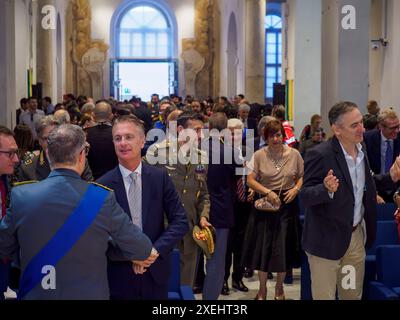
{"x":36,"y":167}
{"x":186,"y":165}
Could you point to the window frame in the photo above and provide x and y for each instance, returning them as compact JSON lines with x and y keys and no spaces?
{"x":277,"y":66}
{"x":143,"y":32}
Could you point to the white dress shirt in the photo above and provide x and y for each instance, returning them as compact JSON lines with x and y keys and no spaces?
{"x":357,"y":174}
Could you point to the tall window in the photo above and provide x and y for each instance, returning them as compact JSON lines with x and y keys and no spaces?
{"x":144,"y":61}
{"x":144,"y":32}
{"x":273,"y":52}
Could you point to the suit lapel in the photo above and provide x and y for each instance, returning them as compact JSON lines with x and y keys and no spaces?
{"x":342,"y":163}
{"x":377,"y":140}
{"x":146,"y":193}
{"x":120,"y":191}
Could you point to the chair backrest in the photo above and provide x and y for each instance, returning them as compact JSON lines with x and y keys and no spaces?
{"x":385,"y":211}
{"x":388,"y":265}
{"x":386,"y":234}
{"x":175,"y":274}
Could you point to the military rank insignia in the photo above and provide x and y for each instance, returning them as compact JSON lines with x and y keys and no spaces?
{"x":200,"y":169}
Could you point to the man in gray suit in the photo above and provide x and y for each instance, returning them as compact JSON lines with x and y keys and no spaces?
{"x":62,"y":226}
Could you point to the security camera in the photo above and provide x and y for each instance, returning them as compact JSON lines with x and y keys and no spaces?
{"x":375,"y":45}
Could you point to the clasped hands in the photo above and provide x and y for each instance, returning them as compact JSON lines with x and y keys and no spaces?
{"x":140,"y":267}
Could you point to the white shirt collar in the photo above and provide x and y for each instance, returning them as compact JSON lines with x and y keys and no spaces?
{"x":126,"y":172}
{"x":383,"y":138}
{"x":359,"y":149}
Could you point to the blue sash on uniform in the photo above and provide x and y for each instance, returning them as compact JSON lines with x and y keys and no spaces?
{"x":65,"y":238}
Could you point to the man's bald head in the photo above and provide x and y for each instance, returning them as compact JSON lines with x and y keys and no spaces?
{"x":102,"y":112}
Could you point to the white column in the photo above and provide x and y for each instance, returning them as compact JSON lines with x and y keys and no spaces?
{"x":354,"y":55}
{"x":44,"y":47}
{"x":307,"y":54}
{"x":255,"y":51}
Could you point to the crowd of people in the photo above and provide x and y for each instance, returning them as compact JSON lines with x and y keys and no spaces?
{"x":147,"y":173}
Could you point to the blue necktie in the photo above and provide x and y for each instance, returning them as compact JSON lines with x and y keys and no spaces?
{"x":388,"y":156}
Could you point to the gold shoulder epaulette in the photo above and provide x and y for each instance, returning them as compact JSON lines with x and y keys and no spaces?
{"x":101,"y":186}
{"x":28,"y":162}
{"x":22,"y":183}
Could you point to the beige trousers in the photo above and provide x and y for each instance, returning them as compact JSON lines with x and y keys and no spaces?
{"x":345,"y":274}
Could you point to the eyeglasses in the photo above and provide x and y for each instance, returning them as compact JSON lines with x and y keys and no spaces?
{"x":86,"y":148}
{"x":10,"y":153}
{"x":394,"y":128}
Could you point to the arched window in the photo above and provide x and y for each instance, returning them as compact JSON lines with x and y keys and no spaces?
{"x":273,"y":52}
{"x":144,"y":32}
{"x":144,"y":50}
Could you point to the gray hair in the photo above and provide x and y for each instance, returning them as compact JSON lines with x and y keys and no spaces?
{"x":263,"y":122}
{"x":63,"y":116}
{"x":88,"y":108}
{"x":235,"y":123}
{"x":64,"y":144}
{"x":45,"y":122}
{"x":244,"y":107}
{"x":339,"y":109}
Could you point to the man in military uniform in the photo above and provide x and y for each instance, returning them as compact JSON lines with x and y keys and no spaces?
{"x":37,"y":167}
{"x":186,"y":165}
{"x":62,"y":226}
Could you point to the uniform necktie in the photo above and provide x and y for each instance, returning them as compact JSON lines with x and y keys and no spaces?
{"x":135,"y":200}
{"x":241,"y":194}
{"x":388,"y":156}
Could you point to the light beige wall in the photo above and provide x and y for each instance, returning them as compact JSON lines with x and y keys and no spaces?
{"x":390,"y":93}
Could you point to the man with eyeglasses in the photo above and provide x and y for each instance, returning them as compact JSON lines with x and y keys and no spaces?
{"x":62,"y":226}
{"x":383,"y":146}
{"x":8,"y":160}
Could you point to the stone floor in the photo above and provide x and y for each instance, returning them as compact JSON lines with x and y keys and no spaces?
{"x":292,"y":291}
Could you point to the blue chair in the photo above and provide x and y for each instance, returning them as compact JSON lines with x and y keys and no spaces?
{"x":385,"y":211}
{"x":305,"y":281}
{"x":175,"y":290}
{"x":386,"y":234}
{"x":5,"y":268}
{"x":387,"y":286}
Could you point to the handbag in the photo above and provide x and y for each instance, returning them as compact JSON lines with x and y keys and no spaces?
{"x":263,"y":204}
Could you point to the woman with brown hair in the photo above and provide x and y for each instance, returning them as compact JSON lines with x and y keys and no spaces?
{"x":272,"y":240}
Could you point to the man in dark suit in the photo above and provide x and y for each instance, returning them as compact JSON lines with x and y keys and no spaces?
{"x":339,"y":196}
{"x":221,"y":183}
{"x":383,"y":146}
{"x":249,"y":123}
{"x":101,"y":157}
{"x":61,"y":227}
{"x":146,"y":193}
